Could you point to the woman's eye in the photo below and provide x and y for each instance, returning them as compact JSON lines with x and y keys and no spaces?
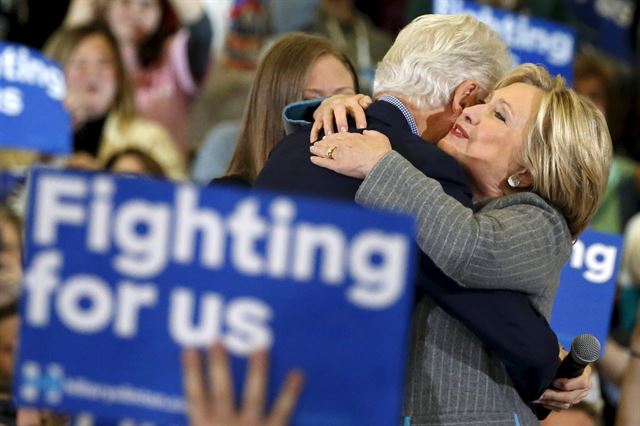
{"x":499,"y":116}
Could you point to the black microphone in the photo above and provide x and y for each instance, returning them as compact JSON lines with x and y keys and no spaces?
{"x":585,"y":349}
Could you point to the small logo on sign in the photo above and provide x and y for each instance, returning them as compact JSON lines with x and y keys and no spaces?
{"x":37,"y":383}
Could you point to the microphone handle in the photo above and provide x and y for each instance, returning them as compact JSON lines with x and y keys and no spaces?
{"x":568,"y":369}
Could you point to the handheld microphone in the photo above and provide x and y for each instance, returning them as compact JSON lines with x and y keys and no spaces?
{"x":585,"y":349}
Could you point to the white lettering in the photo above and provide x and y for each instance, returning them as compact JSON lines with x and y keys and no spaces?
{"x":331,"y":243}
{"x":282,"y":211}
{"x":378,"y":262}
{"x":246,"y":320}
{"x":92,"y":318}
{"x":131,"y":299}
{"x":51,"y":211}
{"x":144,"y":254}
{"x":99,"y":228}
{"x":181,"y":318}
{"x":190,"y":220}
{"x":11,"y":101}
{"x":40,"y":279}
{"x":598,"y":259}
{"x":17,"y":65}
{"x":246,"y":227}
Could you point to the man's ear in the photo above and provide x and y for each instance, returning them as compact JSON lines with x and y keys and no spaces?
{"x":464,"y":95}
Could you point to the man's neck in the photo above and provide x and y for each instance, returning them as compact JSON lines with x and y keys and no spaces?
{"x":420,"y":115}
{"x":426,"y":119}
{"x":432,"y":123}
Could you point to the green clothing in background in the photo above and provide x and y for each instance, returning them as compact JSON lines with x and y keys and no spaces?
{"x":622,"y":198}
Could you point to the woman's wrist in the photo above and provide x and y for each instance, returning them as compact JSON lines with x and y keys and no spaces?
{"x":366,"y":169}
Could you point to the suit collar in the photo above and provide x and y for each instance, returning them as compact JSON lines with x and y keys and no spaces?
{"x":404,"y":110}
{"x":388,"y":114}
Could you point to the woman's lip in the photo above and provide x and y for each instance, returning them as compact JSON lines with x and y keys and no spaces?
{"x":458,"y":132}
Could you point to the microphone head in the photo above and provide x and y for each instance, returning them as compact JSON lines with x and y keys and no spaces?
{"x":585,"y":349}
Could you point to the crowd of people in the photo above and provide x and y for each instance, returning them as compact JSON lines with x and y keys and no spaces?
{"x":502,"y":168}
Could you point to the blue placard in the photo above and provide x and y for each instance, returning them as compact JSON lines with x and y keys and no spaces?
{"x":587,"y":287}
{"x":607,"y":25}
{"x":32,"y":88}
{"x":530,"y":39}
{"x":123,"y":272}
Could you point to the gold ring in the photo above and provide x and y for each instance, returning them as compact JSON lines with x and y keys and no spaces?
{"x":330,"y":152}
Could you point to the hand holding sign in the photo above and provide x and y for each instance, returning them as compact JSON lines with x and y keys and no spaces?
{"x":214,"y":405}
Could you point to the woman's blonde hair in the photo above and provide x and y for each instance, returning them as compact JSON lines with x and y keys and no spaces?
{"x":280,"y":80}
{"x":566,"y":149}
{"x":62,"y":43}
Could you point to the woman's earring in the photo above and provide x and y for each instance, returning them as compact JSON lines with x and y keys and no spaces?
{"x":513,"y":181}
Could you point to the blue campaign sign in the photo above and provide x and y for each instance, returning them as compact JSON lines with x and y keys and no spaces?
{"x":606,"y":24}
{"x":587,"y":288}
{"x":530,"y":39}
{"x":32,"y":88}
{"x":122,"y":273}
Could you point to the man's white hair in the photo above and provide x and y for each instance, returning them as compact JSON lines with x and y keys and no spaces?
{"x":435,"y":53}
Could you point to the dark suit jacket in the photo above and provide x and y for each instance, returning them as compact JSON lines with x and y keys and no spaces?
{"x":505,"y":321}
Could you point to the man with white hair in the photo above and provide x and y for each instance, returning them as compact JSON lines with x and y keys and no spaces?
{"x":467,"y":364}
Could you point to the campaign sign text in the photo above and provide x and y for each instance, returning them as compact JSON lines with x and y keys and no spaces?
{"x":530,"y":39}
{"x":587,"y":288}
{"x":121,"y":273}
{"x":32,"y":88}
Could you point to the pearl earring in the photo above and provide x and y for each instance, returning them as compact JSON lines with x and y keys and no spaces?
{"x":513,"y":181}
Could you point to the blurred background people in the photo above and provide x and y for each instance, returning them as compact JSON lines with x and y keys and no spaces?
{"x":31,"y":22}
{"x":628,"y":413}
{"x":132,"y":161}
{"x":297,"y":66}
{"x":594,"y":78}
{"x":10,"y":254}
{"x":165,"y":46}
{"x":9,"y":324}
{"x":582,"y":414}
{"x":10,"y":276}
{"x":355,"y":34}
{"x":100,"y":102}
